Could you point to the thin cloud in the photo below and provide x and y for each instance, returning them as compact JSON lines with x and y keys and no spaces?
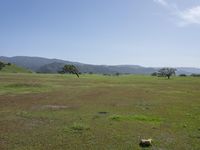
{"x":190,"y":16}
{"x":185,"y":17}
{"x":161,"y":2}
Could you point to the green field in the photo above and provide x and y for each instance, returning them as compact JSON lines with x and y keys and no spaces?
{"x":94,"y":112}
{"x":14,"y":69}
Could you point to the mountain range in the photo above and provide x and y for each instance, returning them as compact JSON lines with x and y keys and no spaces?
{"x":46,"y":65}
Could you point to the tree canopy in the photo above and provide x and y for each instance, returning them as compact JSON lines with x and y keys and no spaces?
{"x":166,"y":72}
{"x":70,"y":69}
{"x":2,"y":65}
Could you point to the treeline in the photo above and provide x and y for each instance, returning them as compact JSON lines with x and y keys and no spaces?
{"x":165,"y":72}
{"x":71,"y":69}
{"x":2,"y":64}
{"x":168,"y":72}
{"x":180,"y":75}
{"x":192,"y":75}
{"x":195,"y":75}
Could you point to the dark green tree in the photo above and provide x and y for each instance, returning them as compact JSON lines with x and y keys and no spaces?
{"x":2,"y":65}
{"x":117,"y":73}
{"x":166,"y":72}
{"x":154,"y":74}
{"x":70,"y":69}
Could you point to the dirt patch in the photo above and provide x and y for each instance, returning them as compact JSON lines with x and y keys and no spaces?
{"x":53,"y":107}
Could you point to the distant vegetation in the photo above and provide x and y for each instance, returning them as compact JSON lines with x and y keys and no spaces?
{"x":2,"y":65}
{"x":195,"y":75}
{"x":71,"y":69}
{"x":165,"y":72}
{"x":183,"y":75}
{"x":45,"y":65}
{"x":11,"y":68}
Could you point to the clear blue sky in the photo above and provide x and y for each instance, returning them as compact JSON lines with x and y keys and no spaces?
{"x":142,"y":32}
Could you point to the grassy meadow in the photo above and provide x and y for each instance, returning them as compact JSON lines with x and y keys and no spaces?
{"x":12,"y":68}
{"x":96,"y":112}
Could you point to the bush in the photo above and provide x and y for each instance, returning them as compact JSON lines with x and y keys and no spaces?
{"x":117,"y":74}
{"x":182,"y":75}
{"x":105,"y":74}
{"x":2,"y":65}
{"x":61,"y":72}
{"x":79,"y":127}
{"x":195,"y":75}
{"x":154,"y":74}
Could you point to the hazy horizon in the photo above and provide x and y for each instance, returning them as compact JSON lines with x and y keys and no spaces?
{"x":150,"y":33}
{"x":110,"y":64}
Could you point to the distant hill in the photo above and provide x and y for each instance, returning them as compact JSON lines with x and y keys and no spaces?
{"x":99,"y":69}
{"x":32,"y":63}
{"x":188,"y":71}
{"x":14,"y":69}
{"x":51,"y":68}
{"x":45,"y":65}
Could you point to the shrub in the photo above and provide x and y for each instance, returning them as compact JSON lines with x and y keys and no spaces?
{"x":117,"y":74}
{"x":195,"y":75}
{"x":154,"y":74}
{"x":183,"y":75}
{"x":2,"y":65}
{"x":79,"y":127}
{"x":105,"y":74}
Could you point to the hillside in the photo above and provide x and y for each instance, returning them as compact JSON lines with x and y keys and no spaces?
{"x":98,"y":69}
{"x":31,"y":63}
{"x":14,"y":69}
{"x":45,"y":65}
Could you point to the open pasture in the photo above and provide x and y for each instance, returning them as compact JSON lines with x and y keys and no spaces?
{"x":42,"y":111}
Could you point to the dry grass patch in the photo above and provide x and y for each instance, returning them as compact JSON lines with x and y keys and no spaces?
{"x":150,"y":119}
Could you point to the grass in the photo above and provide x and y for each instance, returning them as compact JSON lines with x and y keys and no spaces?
{"x":22,"y":88}
{"x":44,"y":111}
{"x":79,"y":127}
{"x":14,"y":69}
{"x":22,"y":85}
{"x":150,"y":119}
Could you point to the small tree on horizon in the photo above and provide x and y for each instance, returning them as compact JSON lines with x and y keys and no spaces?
{"x":71,"y":69}
{"x":166,"y":72}
{"x":117,"y":73}
{"x":2,"y":65}
{"x":154,"y":74}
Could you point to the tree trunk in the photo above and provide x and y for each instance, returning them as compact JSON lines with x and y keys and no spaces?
{"x":77,"y":75}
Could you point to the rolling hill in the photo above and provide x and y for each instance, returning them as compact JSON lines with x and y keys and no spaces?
{"x":45,"y":65}
{"x":32,"y":63}
{"x":14,"y":69}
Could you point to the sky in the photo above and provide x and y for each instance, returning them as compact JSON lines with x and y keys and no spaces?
{"x":154,"y":33}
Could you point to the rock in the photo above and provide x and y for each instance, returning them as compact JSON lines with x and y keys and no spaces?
{"x":145,"y":142}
